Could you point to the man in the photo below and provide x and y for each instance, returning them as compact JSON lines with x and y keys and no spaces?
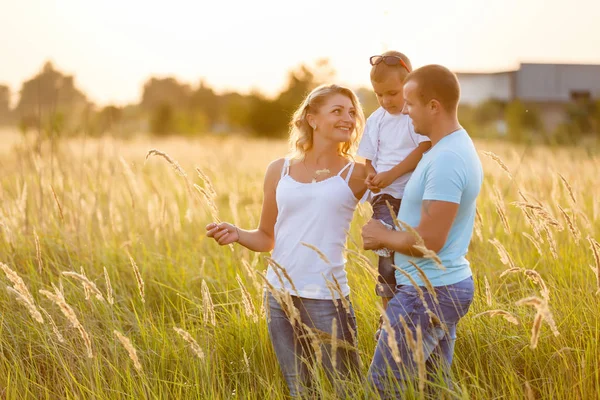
{"x":439,"y":203}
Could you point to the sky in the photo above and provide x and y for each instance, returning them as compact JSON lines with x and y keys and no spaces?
{"x":112,"y":47}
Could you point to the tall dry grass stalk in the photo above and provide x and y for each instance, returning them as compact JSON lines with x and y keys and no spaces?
{"x":505,"y":257}
{"x":138,"y":278}
{"x":501,"y":209}
{"x":251,"y":274}
{"x":536,"y":278}
{"x":505,"y":314}
{"x":498,"y":161}
{"x":249,"y":309}
{"x":209,"y":194}
{"x":314,"y":248}
{"x":109,"y":289}
{"x":20,"y":290}
{"x":208,"y":307}
{"x":571,"y":224}
{"x":364,"y":262}
{"x":569,"y":188}
{"x":60,"y":210}
{"x":535,"y":243}
{"x":529,"y":395}
{"x":419,"y":358}
{"x":426,"y":281}
{"x":541,"y":212}
{"x":185,"y":335}
{"x":126,"y":342}
{"x":595,"y":246}
{"x":59,"y":336}
{"x":278,"y":268}
{"x":542,"y":314}
{"x":38,"y":251}
{"x":58,"y":299}
{"x":551,"y":242}
{"x":86,"y":290}
{"x":334,"y":343}
{"x":488,"y":292}
{"x":174,"y":163}
{"x":86,"y":283}
{"x":391,"y":335}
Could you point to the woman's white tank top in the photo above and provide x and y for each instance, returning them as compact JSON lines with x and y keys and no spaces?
{"x":318,"y":214}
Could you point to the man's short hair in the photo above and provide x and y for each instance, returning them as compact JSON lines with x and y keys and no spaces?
{"x":436,"y":82}
{"x":382,"y":71}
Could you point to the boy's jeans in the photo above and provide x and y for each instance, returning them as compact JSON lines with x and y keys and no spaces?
{"x":387,"y":274}
{"x":388,"y":376}
{"x":295,"y":351}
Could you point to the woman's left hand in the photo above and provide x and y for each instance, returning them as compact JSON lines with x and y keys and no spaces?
{"x":372,"y":234}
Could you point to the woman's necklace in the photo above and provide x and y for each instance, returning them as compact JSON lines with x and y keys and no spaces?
{"x":317,"y":172}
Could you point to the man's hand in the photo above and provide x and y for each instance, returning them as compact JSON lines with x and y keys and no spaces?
{"x":383,"y":179}
{"x":372,"y":235}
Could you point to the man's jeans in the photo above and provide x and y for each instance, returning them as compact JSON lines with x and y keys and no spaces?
{"x":389,"y":377}
{"x":293,"y":344}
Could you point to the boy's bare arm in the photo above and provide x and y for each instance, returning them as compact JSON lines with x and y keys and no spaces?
{"x":371,"y":173}
{"x":384,"y":179}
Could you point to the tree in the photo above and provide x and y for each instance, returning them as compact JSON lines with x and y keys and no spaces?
{"x":271,"y":117}
{"x":165,"y":91}
{"x":48,"y":95}
{"x":162,"y":120}
{"x":521,"y":121}
{"x":4,"y":104}
{"x":205,"y":102}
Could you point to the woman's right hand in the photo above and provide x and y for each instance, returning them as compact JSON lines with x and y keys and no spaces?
{"x":223,"y":233}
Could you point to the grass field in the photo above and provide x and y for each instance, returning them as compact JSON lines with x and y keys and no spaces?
{"x":98,"y":209}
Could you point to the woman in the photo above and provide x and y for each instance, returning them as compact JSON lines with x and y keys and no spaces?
{"x":309,"y":199}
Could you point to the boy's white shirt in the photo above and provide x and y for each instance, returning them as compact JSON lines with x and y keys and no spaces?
{"x":387,"y":140}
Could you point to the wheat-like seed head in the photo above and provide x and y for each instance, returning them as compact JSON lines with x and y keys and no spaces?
{"x":138,"y":278}
{"x":498,"y":161}
{"x":207,"y":305}
{"x":505,"y":314}
{"x":88,"y":285}
{"x":505,"y":257}
{"x":488,"y":292}
{"x":419,"y":358}
{"x":130,"y":349}
{"x":109,"y":289}
{"x":58,"y":299}
{"x":314,"y":248}
{"x":185,"y":335}
{"x":247,"y":300}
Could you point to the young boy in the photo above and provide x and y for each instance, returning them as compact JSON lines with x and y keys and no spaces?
{"x":392,"y":151}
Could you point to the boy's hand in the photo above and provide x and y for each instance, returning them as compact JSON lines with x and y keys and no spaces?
{"x":369,"y":182}
{"x":383,"y":179}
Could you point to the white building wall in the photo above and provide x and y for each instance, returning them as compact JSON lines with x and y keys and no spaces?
{"x":477,"y":88}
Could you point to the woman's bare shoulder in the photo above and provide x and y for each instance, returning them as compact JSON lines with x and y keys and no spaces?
{"x":360,"y":170}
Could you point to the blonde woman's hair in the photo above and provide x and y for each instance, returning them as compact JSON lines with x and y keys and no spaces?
{"x":301,"y":133}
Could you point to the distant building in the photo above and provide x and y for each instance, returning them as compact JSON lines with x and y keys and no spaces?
{"x":547,"y":86}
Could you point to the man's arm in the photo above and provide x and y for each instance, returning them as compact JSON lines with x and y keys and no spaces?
{"x":436,"y":220}
{"x":444,"y":182}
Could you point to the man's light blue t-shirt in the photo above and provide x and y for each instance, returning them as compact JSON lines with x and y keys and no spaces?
{"x":451,"y":171}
